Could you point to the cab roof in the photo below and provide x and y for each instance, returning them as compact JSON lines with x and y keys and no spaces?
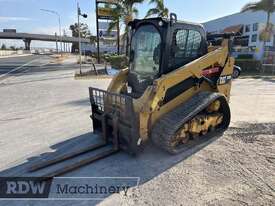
{"x":165,"y":20}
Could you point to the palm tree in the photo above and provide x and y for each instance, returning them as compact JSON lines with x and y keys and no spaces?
{"x":267,"y":6}
{"x":124,"y":12}
{"x":84,"y":33}
{"x":160,"y":10}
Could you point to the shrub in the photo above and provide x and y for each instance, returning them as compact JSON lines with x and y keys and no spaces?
{"x":118,"y":61}
{"x":245,"y":56}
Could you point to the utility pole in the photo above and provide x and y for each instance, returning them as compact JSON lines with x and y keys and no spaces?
{"x":79,"y":38}
{"x":56,"y":44}
{"x":59,"y":23}
{"x":97,"y":32}
{"x":60,"y":33}
{"x":79,"y":35}
{"x":64,"y":43}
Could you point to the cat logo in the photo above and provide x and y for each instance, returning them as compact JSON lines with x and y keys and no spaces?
{"x":224,"y":79}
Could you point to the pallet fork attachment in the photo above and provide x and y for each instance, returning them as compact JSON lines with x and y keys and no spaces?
{"x":84,"y":161}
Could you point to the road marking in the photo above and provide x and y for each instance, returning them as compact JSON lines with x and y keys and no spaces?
{"x":5,"y":76}
{"x":8,"y":65}
{"x":17,"y":68}
{"x":42,"y":65}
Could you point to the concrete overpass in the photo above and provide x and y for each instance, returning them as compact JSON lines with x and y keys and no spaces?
{"x":27,"y":38}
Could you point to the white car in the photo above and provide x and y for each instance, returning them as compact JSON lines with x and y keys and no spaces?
{"x":236,"y":72}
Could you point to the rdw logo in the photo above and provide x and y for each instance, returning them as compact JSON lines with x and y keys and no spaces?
{"x":24,"y":187}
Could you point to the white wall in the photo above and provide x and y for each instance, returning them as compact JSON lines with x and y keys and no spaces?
{"x":9,"y":52}
{"x":245,"y":18}
{"x":248,"y":17}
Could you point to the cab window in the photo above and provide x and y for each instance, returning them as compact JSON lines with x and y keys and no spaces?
{"x":185,"y":47}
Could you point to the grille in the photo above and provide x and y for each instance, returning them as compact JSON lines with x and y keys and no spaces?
{"x":108,"y":102}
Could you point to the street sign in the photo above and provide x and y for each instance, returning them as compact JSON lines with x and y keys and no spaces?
{"x":104,"y":25}
{"x":100,"y":33}
{"x":108,"y":35}
{"x":103,"y":30}
{"x":105,"y":13}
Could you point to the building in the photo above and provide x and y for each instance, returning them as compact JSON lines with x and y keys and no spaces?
{"x":250,"y":26}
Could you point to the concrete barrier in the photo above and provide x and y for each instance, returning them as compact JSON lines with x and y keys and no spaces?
{"x":11,"y":53}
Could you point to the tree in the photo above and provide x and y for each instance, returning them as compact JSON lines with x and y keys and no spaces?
{"x":160,"y":10}
{"x":92,"y":39}
{"x":3,"y":47}
{"x":84,"y":33}
{"x":84,"y":30}
{"x":267,"y":6}
{"x":12,"y":48}
{"x":124,"y":12}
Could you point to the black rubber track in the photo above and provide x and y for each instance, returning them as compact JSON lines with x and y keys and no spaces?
{"x":165,"y":129}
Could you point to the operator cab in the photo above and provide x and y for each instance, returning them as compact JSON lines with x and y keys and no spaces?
{"x":159,"y":46}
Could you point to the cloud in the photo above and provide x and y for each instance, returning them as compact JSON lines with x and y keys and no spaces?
{"x":13,"y":18}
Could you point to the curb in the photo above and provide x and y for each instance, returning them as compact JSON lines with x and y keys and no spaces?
{"x":93,"y":77}
{"x":20,"y":55}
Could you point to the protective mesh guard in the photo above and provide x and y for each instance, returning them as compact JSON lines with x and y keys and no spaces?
{"x":106,"y":102}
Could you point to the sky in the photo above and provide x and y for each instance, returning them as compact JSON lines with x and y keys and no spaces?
{"x":26,"y":16}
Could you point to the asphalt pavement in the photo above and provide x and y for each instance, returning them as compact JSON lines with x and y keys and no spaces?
{"x":10,"y":64}
{"x":14,"y":67}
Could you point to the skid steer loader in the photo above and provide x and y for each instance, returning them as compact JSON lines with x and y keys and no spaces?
{"x":175,"y":92}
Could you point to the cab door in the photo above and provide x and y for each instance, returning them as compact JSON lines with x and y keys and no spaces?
{"x":186,"y":43}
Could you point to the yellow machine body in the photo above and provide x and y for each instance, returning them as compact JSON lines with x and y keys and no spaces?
{"x":149,"y":106}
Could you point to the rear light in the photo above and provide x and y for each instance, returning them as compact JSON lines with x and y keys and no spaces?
{"x":211,"y":71}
